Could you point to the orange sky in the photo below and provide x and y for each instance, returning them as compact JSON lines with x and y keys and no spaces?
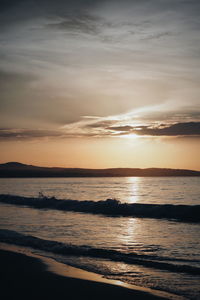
{"x":105,"y":153}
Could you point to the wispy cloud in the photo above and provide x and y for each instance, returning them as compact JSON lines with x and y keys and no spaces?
{"x":149,"y":121}
{"x":81,"y":23}
{"x":153,"y":121}
{"x":178,"y":129}
{"x":163,"y":130}
{"x":27,"y":134}
{"x":109,"y":31}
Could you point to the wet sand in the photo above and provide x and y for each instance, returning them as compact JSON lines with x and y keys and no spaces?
{"x":28,"y":277}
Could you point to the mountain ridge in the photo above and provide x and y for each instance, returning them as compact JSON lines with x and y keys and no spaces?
{"x":16,"y":169}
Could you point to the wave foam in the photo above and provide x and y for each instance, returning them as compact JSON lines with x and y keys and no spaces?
{"x":13,"y":237}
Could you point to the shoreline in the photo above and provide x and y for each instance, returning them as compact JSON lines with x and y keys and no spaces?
{"x":22,"y":271}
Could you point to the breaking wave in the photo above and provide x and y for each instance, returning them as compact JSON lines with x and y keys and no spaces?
{"x":110,"y":207}
{"x":156,"y":262}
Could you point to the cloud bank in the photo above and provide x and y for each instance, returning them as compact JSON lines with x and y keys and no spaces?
{"x":134,"y":65}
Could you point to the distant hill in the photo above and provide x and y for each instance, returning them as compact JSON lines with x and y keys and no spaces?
{"x":16,"y":169}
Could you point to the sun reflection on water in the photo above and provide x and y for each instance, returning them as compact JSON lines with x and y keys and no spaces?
{"x":130,"y":230}
{"x":134,"y":183}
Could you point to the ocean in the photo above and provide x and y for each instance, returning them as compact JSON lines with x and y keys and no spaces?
{"x":140,"y":230}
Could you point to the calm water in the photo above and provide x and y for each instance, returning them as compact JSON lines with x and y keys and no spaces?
{"x":177,"y":190}
{"x":158,"y":253}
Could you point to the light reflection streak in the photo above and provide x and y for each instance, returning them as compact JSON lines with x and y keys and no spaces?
{"x":134,"y":182}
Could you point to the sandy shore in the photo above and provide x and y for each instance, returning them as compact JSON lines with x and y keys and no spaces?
{"x":26,"y":276}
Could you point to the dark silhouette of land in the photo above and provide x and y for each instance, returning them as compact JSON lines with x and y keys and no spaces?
{"x":15,"y":169}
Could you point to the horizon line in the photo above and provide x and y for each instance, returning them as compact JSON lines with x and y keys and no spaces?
{"x":86,"y":168}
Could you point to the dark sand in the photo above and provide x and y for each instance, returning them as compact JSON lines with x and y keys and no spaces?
{"x":26,"y":277}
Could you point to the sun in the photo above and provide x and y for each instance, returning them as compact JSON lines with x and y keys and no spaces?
{"x":130,"y":136}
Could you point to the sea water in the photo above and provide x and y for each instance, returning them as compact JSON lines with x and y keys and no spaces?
{"x":160,"y":253}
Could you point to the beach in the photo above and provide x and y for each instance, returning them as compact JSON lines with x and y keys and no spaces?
{"x":27,"y":276}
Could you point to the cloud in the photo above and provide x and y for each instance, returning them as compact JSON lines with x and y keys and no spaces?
{"x":27,"y":134}
{"x":80,"y":23}
{"x":155,"y":121}
{"x":191,"y":129}
{"x":178,"y":129}
{"x":109,"y":31}
{"x":121,"y":128}
{"x":8,"y":79}
{"x":101,"y":124}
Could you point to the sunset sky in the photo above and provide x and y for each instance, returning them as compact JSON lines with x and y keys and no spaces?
{"x":100,"y":84}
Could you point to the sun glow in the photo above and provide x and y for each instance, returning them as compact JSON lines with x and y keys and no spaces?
{"x":130,"y":136}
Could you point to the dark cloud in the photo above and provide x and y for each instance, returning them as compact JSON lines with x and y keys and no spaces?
{"x":157,"y":36}
{"x":23,"y":134}
{"x":13,"y":9}
{"x":78,"y":23}
{"x":183,"y":115}
{"x":8,"y":4}
{"x":10,"y":84}
{"x":190,"y":128}
{"x":101,"y":124}
{"x":14,"y":12}
{"x":19,"y":10}
{"x":9,"y":78}
{"x":11,"y":134}
{"x":178,"y":129}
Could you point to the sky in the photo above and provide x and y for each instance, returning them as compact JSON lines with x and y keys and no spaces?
{"x":99,"y":84}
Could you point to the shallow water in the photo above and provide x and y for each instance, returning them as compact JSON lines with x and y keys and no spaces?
{"x":158,"y":253}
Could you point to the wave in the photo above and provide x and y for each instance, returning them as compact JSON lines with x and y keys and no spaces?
{"x":13,"y":237}
{"x":110,"y":207}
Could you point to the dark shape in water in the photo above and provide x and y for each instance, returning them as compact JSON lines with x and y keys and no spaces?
{"x":110,"y":207}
